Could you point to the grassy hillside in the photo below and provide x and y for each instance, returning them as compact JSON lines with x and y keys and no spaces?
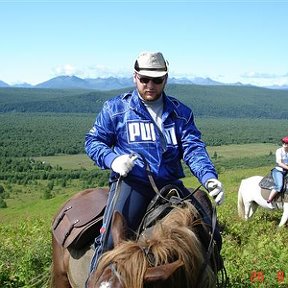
{"x":206,"y":101}
{"x":249,"y":248}
{"x":233,"y":101}
{"x":25,"y":235}
{"x":42,"y":164}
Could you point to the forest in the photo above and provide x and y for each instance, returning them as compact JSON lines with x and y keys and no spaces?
{"x":206,"y":101}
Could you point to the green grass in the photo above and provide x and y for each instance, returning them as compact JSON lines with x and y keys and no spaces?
{"x":244,"y":150}
{"x":233,"y":151}
{"x":78,"y":161}
{"x":252,"y":248}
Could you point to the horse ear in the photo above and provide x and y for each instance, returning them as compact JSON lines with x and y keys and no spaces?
{"x":118,"y":228}
{"x":162,"y":272}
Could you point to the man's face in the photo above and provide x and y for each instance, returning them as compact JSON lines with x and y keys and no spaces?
{"x":149,"y":88}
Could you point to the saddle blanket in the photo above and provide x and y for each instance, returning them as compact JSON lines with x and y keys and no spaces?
{"x":280,"y":197}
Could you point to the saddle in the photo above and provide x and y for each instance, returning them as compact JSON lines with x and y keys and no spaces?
{"x":80,"y":218}
{"x":169,"y":197}
{"x":267,"y":184}
{"x":160,"y":206}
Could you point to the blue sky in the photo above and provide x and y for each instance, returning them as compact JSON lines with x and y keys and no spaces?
{"x":228,"y":41}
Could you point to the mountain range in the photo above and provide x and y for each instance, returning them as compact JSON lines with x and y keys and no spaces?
{"x":111,"y":83}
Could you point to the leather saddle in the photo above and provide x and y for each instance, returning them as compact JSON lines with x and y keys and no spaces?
{"x":267,"y":184}
{"x":79,"y":220}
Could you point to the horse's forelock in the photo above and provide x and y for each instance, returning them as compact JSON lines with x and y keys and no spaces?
{"x":126,"y":273}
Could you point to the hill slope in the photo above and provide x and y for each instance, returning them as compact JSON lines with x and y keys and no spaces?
{"x":206,"y":101}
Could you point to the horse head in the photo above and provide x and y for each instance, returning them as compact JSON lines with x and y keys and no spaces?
{"x":159,"y":259}
{"x":111,"y":278}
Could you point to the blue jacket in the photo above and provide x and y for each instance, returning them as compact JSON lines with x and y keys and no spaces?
{"x":124,"y":126}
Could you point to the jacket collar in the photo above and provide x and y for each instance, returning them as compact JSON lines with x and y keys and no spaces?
{"x":136,"y":103}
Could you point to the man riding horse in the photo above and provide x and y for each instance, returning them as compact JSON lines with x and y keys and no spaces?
{"x":146,"y":133}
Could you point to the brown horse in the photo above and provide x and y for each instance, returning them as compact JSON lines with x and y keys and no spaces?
{"x":169,"y":254}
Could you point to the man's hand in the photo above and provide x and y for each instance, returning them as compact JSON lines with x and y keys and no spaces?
{"x":215,"y":190}
{"x":123,"y":164}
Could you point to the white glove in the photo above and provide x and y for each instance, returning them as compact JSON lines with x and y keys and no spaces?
{"x":123,"y":164}
{"x":215,"y":190}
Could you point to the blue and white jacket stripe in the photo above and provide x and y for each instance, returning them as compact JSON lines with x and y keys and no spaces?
{"x":124,"y":126}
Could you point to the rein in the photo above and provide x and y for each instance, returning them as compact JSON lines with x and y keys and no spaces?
{"x":113,"y":204}
{"x":210,"y":246}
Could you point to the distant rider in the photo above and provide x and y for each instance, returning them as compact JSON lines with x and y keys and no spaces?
{"x":281,"y":169}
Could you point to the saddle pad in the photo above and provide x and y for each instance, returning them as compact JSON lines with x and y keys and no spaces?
{"x":79,"y":266}
{"x":278,"y":198}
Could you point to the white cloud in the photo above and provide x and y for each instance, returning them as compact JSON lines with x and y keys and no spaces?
{"x":103,"y":71}
{"x":265,"y":79}
{"x":66,"y":69}
{"x":260,"y":75}
{"x":91,"y":71}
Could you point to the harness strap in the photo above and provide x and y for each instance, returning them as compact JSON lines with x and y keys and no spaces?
{"x":154,"y":186}
{"x":151,"y":179}
{"x":113,"y":204}
{"x":211,"y":246}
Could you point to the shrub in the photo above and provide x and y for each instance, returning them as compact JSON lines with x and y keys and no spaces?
{"x":3,"y":204}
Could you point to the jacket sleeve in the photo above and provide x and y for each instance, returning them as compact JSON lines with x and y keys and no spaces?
{"x":195,"y":154}
{"x":99,"y":141}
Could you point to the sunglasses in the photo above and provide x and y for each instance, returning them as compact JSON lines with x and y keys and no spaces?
{"x":145,"y":80}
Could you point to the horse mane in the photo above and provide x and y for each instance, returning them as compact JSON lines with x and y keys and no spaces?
{"x":172,"y":238}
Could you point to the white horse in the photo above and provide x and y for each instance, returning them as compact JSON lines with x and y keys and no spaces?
{"x":249,"y":198}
